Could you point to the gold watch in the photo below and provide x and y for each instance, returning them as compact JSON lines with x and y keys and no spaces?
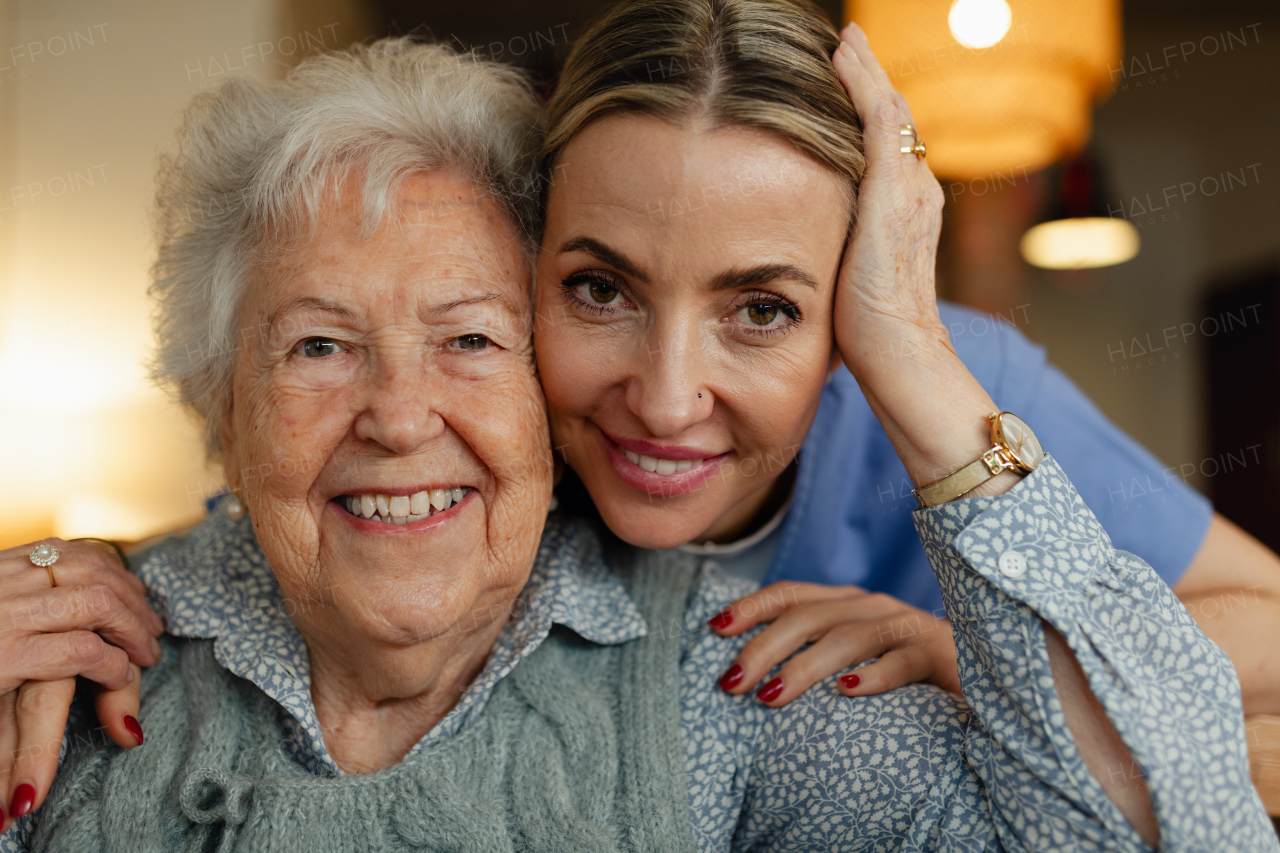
{"x":1014,"y":447}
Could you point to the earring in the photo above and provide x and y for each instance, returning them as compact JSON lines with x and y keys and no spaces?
{"x":235,"y":508}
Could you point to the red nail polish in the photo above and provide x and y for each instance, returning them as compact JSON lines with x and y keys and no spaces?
{"x":131,"y":725}
{"x":23,"y":799}
{"x":851,"y":680}
{"x":721,"y":620}
{"x":770,"y":691}
{"x":731,"y":677}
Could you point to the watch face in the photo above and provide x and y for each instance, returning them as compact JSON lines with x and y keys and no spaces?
{"x":1020,"y":440}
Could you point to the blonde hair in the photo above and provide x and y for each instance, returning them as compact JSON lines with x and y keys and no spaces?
{"x":757,"y":63}
{"x":256,"y":162}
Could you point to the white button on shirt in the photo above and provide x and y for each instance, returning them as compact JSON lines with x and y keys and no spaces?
{"x":1012,"y":564}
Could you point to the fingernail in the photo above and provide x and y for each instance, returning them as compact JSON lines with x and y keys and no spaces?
{"x":851,"y":680}
{"x":23,"y":799}
{"x":770,"y":691}
{"x":721,"y":620}
{"x":155,"y":648}
{"x":731,"y":678}
{"x":132,"y":726}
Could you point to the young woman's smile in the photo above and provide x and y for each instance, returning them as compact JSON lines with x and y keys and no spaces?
{"x":661,"y":470}
{"x":684,"y":319}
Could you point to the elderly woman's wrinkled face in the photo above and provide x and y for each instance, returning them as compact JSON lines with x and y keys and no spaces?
{"x":387,"y":430}
{"x":683,"y":330}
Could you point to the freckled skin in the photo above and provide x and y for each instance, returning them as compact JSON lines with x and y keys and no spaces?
{"x":685,"y":205}
{"x":394,"y":621}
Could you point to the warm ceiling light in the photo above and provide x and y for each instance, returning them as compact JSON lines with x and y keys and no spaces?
{"x":979,"y":23}
{"x":1075,"y":232}
{"x":1077,"y":244}
{"x":1022,"y":103}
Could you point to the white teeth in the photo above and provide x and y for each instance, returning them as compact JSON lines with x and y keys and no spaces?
{"x":403,"y":509}
{"x":663,"y":467}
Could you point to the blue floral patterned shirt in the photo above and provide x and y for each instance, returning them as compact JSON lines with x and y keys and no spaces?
{"x":913,"y":769}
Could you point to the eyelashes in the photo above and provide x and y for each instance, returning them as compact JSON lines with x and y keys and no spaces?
{"x":604,"y":294}
{"x":787,"y":312}
{"x":595,"y":283}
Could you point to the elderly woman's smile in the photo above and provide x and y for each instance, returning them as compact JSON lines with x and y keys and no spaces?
{"x":384,"y":388}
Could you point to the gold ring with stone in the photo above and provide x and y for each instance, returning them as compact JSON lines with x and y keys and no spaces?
{"x":45,"y":555}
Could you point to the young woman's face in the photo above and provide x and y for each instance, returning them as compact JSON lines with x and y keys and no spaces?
{"x":683,"y":329}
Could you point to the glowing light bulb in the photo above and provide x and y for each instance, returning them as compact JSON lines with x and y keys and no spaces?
{"x":1075,"y":244}
{"x":979,"y":23}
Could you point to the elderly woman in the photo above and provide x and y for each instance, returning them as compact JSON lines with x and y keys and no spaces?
{"x":397,"y":648}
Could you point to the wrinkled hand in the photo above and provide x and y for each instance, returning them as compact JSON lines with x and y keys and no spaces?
{"x":843,"y":626}
{"x":887,"y":326}
{"x":96,"y":623}
{"x":886,"y":290}
{"x":887,"y":279}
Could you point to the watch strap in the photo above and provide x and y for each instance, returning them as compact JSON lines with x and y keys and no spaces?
{"x":965,"y":480}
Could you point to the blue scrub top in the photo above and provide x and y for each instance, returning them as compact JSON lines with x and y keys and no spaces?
{"x":850,"y":522}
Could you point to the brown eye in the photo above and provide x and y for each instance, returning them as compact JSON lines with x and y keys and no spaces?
{"x":602,"y":292}
{"x":762,"y":314}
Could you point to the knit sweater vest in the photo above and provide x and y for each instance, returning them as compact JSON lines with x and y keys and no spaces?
{"x":578,"y":750}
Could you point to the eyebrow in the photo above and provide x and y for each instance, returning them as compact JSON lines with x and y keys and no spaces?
{"x":601,"y":252}
{"x":757,"y":276}
{"x":730,"y":280}
{"x":309,"y":302}
{"x":440,"y":310}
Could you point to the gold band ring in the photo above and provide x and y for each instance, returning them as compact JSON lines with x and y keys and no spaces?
{"x":916,"y":147}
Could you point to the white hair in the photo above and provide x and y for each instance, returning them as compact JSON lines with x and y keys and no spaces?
{"x":255,"y":162}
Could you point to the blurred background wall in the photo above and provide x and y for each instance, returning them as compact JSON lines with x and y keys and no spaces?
{"x":90,"y":94}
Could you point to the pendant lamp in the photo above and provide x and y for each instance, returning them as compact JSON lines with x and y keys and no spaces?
{"x":1077,"y":231}
{"x":996,"y":86}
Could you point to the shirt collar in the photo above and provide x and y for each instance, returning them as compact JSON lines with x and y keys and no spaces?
{"x":730,"y":549}
{"x":217,"y":585}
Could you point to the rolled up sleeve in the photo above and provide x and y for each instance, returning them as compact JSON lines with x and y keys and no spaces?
{"x":1037,"y":552}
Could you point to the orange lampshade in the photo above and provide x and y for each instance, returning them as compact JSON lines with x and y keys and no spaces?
{"x":1019,"y":105}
